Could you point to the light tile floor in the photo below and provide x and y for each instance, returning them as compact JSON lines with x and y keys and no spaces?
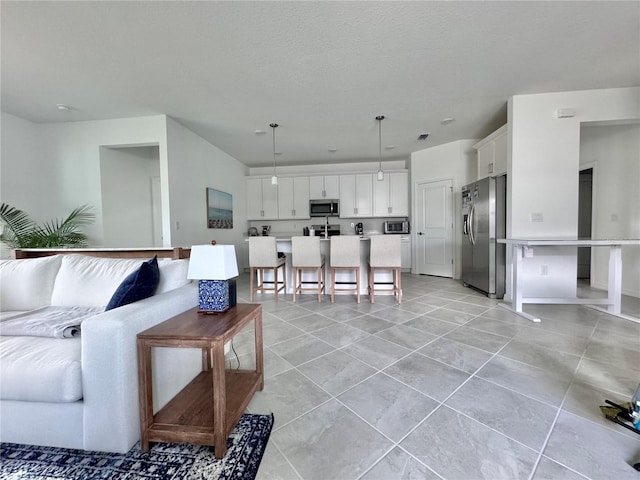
{"x":446,"y":385}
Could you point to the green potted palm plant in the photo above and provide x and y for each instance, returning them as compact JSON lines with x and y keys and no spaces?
{"x":20,"y":231}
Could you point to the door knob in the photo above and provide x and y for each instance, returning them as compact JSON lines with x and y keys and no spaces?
{"x":420,"y":233}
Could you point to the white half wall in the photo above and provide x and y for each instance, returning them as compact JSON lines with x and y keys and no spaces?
{"x":457,"y":161}
{"x":543,"y":166}
{"x":614,"y":153}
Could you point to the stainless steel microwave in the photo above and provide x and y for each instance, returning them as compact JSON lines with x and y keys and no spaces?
{"x":400,"y":226}
{"x":324,"y":208}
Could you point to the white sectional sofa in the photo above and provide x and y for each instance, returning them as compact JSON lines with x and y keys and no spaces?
{"x":82,"y":392}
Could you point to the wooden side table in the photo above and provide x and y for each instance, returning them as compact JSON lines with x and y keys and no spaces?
{"x":208,"y":408}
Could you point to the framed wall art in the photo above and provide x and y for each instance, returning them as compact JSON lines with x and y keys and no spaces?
{"x":219,"y":209}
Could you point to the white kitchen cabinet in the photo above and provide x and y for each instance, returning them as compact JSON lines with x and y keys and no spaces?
{"x":262,"y":199}
{"x":293,"y":198}
{"x":405,"y":245}
{"x":391,"y":195}
{"x":356,"y":195}
{"x":324,"y":187}
{"x":492,"y":153}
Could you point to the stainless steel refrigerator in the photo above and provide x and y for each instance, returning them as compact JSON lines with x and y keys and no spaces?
{"x":484,"y":220}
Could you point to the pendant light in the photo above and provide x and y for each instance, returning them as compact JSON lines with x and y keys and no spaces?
{"x":379,"y":118}
{"x":274,"y":179}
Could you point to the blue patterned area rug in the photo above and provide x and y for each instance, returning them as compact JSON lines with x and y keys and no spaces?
{"x":164,"y":461}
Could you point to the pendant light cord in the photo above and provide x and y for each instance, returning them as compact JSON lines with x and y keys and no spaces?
{"x":379,"y":118}
{"x":273,"y":128}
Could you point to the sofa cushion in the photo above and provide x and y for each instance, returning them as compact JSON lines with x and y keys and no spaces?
{"x":138,"y":285}
{"x":27,"y":284}
{"x":38,"y":369}
{"x":86,"y":281}
{"x":173,"y":274}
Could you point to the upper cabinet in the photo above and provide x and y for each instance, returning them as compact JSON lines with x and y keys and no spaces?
{"x":293,"y":197}
{"x":324,"y":186}
{"x":262,"y":199}
{"x":360,"y":195}
{"x":492,"y":153}
{"x":390,"y":195}
{"x":356,"y":195}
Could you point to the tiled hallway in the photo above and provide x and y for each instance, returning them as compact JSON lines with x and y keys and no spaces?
{"x":446,"y":385}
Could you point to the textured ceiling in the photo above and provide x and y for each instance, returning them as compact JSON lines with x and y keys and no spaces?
{"x":322,"y":70}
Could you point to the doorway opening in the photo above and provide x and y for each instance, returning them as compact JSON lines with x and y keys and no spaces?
{"x":130,"y":191}
{"x":585,"y":214}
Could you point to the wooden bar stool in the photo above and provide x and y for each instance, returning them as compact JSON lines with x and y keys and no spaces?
{"x":263,"y":256}
{"x":345,"y":255}
{"x":385,"y":254}
{"x":305,"y":255}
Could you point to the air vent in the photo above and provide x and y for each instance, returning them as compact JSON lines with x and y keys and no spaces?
{"x":423,"y":136}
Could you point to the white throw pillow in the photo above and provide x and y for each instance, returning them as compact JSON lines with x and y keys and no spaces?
{"x":86,"y":281}
{"x":173,"y":274}
{"x":27,"y":284}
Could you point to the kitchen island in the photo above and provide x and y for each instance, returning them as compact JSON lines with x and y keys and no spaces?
{"x":283,"y":243}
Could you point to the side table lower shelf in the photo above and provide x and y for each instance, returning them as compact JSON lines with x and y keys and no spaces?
{"x":188,"y":417}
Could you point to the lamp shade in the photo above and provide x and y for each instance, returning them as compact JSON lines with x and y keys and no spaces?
{"x":212,"y":262}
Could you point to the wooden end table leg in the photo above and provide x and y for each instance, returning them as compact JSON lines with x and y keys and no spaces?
{"x":219,"y":401}
{"x":145,"y":393}
{"x":259,"y":350}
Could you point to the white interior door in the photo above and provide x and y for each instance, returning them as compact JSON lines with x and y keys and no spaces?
{"x":434,"y":228}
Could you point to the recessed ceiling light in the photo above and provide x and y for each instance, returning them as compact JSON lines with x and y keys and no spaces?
{"x":447,"y":121}
{"x":63,"y":107}
{"x":259,"y":132}
{"x":389,"y":147}
{"x":333,"y":150}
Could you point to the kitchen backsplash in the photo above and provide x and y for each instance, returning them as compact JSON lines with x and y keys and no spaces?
{"x":371,"y":226}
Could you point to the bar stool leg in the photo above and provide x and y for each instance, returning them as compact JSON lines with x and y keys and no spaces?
{"x":275,"y":282}
{"x":399,"y":286}
{"x":333,"y":284}
{"x":371,"y":279}
{"x":284,"y":278}
{"x":319,"y":273}
{"x":358,"y":283}
{"x":251,"y":283}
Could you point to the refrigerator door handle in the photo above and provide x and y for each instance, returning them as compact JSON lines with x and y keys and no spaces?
{"x":472,"y":214}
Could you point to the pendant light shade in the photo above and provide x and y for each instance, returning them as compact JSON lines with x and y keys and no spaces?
{"x":379,"y":118}
{"x":274,"y":178}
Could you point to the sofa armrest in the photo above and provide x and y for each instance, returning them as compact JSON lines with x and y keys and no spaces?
{"x":110,"y":368}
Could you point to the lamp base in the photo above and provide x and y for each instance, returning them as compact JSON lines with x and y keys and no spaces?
{"x":216,"y":296}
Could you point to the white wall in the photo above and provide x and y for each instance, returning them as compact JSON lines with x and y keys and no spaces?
{"x":126,"y":176}
{"x":614,"y":153}
{"x":456,"y":161}
{"x":25,"y":172}
{"x":50,"y":169}
{"x":543,"y":165}
{"x":194,"y":166}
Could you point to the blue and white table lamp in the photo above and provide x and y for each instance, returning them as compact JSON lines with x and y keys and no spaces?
{"x":215,"y":267}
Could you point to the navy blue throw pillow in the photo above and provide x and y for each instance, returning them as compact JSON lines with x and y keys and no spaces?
{"x":138,"y":285}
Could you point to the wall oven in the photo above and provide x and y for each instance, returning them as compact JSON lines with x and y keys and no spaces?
{"x":324,"y":208}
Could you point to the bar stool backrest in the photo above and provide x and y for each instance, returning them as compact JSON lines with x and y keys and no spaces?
{"x":345,"y":251}
{"x":263,"y":252}
{"x":305,"y":252}
{"x":386,"y":251}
